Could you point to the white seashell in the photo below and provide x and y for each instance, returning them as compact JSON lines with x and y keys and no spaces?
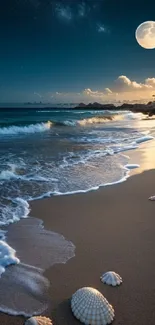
{"x":38,"y":320}
{"x":111,"y":278}
{"x":152,"y":198}
{"x":91,"y":307}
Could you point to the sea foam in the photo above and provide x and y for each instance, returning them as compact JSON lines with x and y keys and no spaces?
{"x":132,"y":166}
{"x":145,"y":138}
{"x":24,"y":291}
{"x":7,"y":256}
{"x":32,"y":128}
{"x":27,"y":277}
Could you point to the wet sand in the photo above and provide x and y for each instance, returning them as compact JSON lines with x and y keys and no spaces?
{"x":113,"y":229}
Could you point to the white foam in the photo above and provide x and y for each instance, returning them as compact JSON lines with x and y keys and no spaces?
{"x":33,"y":128}
{"x":100,"y":119}
{"x":134,"y":116}
{"x":94,"y":188}
{"x":7,"y":175}
{"x":69,"y":123}
{"x":7,"y":256}
{"x":47,"y":248}
{"x":145,"y":138}
{"x":13,"y":213}
{"x":132,"y":166}
{"x":24,"y":291}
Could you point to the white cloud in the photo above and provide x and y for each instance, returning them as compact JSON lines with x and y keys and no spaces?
{"x":97,"y":93}
{"x":60,"y":94}
{"x":121,"y":89}
{"x":124,"y":89}
{"x":150,"y":81}
{"x":101,"y":28}
{"x":64,"y":12}
{"x":123,"y":83}
{"x":37,"y":94}
{"x":108,"y":90}
{"x":82,"y":9}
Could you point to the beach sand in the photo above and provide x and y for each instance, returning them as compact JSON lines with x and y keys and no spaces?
{"x":113,"y":229}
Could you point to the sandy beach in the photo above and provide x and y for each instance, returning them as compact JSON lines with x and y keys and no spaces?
{"x":113,"y":229}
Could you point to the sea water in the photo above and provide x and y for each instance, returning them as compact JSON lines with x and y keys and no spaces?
{"x":54,"y":152}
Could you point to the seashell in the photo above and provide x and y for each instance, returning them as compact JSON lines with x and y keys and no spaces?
{"x":111,"y":278}
{"x":38,"y":320}
{"x":91,"y":307}
{"x":152,"y":198}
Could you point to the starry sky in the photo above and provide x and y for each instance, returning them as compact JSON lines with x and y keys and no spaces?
{"x":74,"y":50}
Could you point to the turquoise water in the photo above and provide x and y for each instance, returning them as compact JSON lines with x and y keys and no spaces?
{"x":53,"y":152}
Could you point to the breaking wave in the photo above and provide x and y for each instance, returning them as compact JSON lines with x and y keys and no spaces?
{"x":91,"y":120}
{"x":100,"y":119}
{"x":45,"y":126}
{"x":32,"y":128}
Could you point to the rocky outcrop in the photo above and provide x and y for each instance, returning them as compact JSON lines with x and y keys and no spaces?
{"x":148,"y":109}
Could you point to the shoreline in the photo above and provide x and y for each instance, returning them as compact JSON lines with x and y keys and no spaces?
{"x":93,"y":241}
{"x":95,"y":253}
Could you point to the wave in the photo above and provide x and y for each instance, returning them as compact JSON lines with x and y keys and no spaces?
{"x":13,"y":211}
{"x":44,"y":126}
{"x":7,"y":175}
{"x":133,"y":116}
{"x":87,"y":121}
{"x":7,"y":256}
{"x":100,"y":119}
{"x":32,"y":128}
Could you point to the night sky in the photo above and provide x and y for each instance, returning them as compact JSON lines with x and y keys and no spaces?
{"x":73,"y":50}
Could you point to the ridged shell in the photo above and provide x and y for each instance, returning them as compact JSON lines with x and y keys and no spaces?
{"x":91,"y":307}
{"x":38,"y":320}
{"x":111,"y":278}
{"x":152,"y":198}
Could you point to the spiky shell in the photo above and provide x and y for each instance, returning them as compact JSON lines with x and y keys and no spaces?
{"x":111,"y":278}
{"x":91,"y":307}
{"x":152,"y":198}
{"x":38,"y":320}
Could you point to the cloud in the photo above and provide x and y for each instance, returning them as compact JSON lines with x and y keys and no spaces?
{"x":123,"y":83}
{"x":92,"y":93}
{"x":122,"y":89}
{"x":150,"y":81}
{"x":108,"y":91}
{"x":64,"y":12}
{"x":82,"y":9}
{"x":60,"y":94}
{"x":37,"y":94}
{"x":101,"y":28}
{"x":98,"y":95}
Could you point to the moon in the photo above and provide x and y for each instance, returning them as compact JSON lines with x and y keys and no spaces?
{"x":145,"y":35}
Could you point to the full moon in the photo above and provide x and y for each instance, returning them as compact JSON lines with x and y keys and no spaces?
{"x":145,"y":35}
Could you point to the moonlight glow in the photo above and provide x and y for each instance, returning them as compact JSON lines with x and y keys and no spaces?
{"x":145,"y":35}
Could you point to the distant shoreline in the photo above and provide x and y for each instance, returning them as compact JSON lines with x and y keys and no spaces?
{"x":146,"y":109}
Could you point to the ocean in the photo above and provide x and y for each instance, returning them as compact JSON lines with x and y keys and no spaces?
{"x":55,"y":152}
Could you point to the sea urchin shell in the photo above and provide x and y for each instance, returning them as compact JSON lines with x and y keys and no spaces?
{"x":111,"y":278}
{"x":38,"y":320}
{"x":91,"y":307}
